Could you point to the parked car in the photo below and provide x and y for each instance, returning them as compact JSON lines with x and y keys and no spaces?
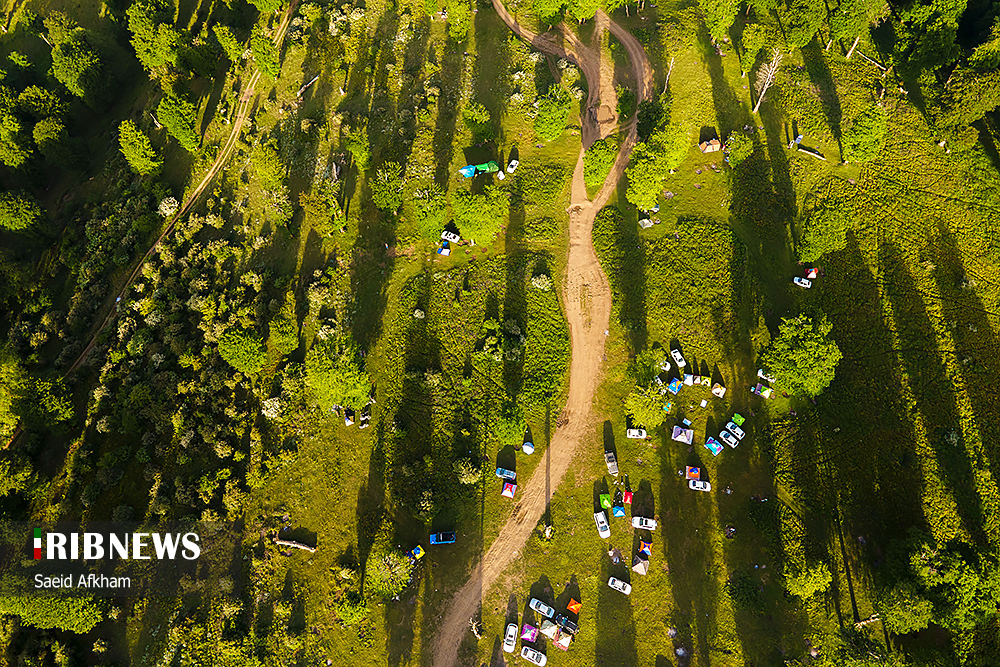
{"x":678,"y":358}
{"x":612,"y":463}
{"x":503,"y":473}
{"x":764,"y":376}
{"x":510,"y":638}
{"x":620,"y":586}
{"x":802,"y":282}
{"x":569,"y":626}
{"x":542,"y":608}
{"x":729,"y":438}
{"x":635,"y":433}
{"x":511,"y":166}
{"x":451,"y":237}
{"x":643,"y":523}
{"x":736,"y":430}
{"x":699,"y":485}
{"x":533,"y":656}
{"x":447,"y":537}
{"x":603,"y":529}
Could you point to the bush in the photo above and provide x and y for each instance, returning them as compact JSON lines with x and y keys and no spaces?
{"x":284,"y":334}
{"x":356,"y":141}
{"x":598,"y":160}
{"x":243,"y":350}
{"x":626,"y":102}
{"x":739,"y":146}
{"x":351,"y":609}
{"x":645,"y":407}
{"x":553,"y":112}
{"x":73,"y":614}
{"x":430,"y":207}
{"x":137,"y":149}
{"x":825,"y":231}
{"x":18,"y":211}
{"x":863,"y":138}
{"x":477,"y":119}
{"x":802,"y":357}
{"x":335,"y":375}
{"x":265,"y":53}
{"x":387,"y":186}
{"x":480,"y":215}
{"x":388,"y":570}
{"x":509,"y":427}
{"x":804,"y":582}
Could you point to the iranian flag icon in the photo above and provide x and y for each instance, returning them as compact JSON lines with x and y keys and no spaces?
{"x":38,"y":543}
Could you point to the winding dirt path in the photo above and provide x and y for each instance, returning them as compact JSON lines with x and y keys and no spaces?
{"x":587,"y":303}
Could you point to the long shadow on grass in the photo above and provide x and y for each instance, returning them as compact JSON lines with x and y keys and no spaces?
{"x":615,"y":624}
{"x":371,"y":268}
{"x":928,"y":380}
{"x":819,"y":74}
{"x":444,"y":132}
{"x":623,"y":256}
{"x":493,"y":83}
{"x":729,"y":109}
{"x":515,"y":305}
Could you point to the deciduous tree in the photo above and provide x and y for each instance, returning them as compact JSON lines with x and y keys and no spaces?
{"x":804,"y":581}
{"x":265,"y":53}
{"x":154,"y":38}
{"x":243,"y":350}
{"x":553,"y":112}
{"x":802,"y":357}
{"x":645,"y":407}
{"x":335,"y":375}
{"x":387,"y":186}
{"x":863,"y":137}
{"x":18,"y":211}
{"x":719,"y":16}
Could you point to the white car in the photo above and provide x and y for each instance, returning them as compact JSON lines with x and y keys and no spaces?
{"x":603,"y":529}
{"x":542,"y":608}
{"x":452,"y":237}
{"x":511,"y":166}
{"x":729,"y":438}
{"x":510,"y":638}
{"x":698,"y":485}
{"x":678,"y":358}
{"x":802,"y":282}
{"x":533,"y":656}
{"x":735,"y":430}
{"x":635,"y":433}
{"x":620,"y":586}
{"x":643,"y":523}
{"x":764,"y":376}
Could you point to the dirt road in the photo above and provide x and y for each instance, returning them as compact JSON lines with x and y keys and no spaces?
{"x":587,"y":303}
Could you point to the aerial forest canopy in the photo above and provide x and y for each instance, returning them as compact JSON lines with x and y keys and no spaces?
{"x":419,"y":299}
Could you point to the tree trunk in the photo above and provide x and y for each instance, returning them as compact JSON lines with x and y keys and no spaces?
{"x":850,"y":51}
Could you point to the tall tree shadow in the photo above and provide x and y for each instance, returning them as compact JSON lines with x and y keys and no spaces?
{"x":616,"y":633}
{"x":491,"y":73}
{"x":822,"y":79}
{"x":448,"y":81}
{"x":932,"y":389}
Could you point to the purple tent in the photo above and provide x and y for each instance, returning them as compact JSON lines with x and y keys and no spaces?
{"x":529,"y":633}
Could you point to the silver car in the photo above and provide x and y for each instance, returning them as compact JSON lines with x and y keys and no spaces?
{"x":620,"y":586}
{"x":510,"y":638}
{"x":603,"y":529}
{"x":678,"y":358}
{"x":533,"y":656}
{"x":735,"y":430}
{"x":698,"y":485}
{"x":729,"y":438}
{"x":542,"y":608}
{"x":643,"y":523}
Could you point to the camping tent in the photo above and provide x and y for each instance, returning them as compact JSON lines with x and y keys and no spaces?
{"x":645,"y":548}
{"x":605,"y":500}
{"x":563,"y":640}
{"x":685,"y":435}
{"x":574,"y":606}
{"x":508,"y":490}
{"x":718,"y":390}
{"x":640,"y":565}
{"x":618,"y":510}
{"x":471,"y":170}
{"x":549,"y":629}
{"x":674,"y":386}
{"x":529,"y":633}
{"x":628,"y":498}
{"x":712,"y":445}
{"x":690,"y":472}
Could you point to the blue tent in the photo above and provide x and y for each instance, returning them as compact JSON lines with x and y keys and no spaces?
{"x":618,"y":510}
{"x":468,"y":171}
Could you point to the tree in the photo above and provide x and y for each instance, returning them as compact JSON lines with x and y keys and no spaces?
{"x":509,"y":426}
{"x":645,"y":407}
{"x":11,"y":379}
{"x":73,"y":614}
{"x":14,"y":148}
{"x":766,"y":76}
{"x":477,"y":119}
{"x":284,"y":333}
{"x":553,"y":112}
{"x":863,"y":138}
{"x":335,"y":376}
{"x":651,"y":162}
{"x":651,"y":116}
{"x":154,"y":38}
{"x":267,"y":6}
{"x":15,"y":474}
{"x":805,"y":581}
{"x":18,"y":211}
{"x":228,"y":42}
{"x":266,"y":165}
{"x":137,"y":149}
{"x":388,"y":570}
{"x":179,"y":116}
{"x":480,"y":215}
{"x":719,"y":16}
{"x":60,"y":28}
{"x":925,"y":35}
{"x":356,"y":141}
{"x":852,"y":18}
{"x":755,"y":38}
{"x":243,"y":350}
{"x":825,"y":230}
{"x":387,"y":186}
{"x":583,"y":10}
{"x":802,"y":18}
{"x":459,"y":12}
{"x":967,"y":96}
{"x":903,"y":609}
{"x":41,"y":103}
{"x":647,"y":365}
{"x":78,"y":67}
{"x":548,"y":11}
{"x":802,"y":358}
{"x":265,"y":53}
{"x":53,"y":141}
{"x":598,"y":160}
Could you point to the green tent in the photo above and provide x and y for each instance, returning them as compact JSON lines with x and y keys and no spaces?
{"x":606,"y":500}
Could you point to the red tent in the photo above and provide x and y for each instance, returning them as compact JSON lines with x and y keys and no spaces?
{"x":574,"y":606}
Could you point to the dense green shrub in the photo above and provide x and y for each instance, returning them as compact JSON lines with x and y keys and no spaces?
{"x":18,"y":211}
{"x":863,"y":138}
{"x":73,"y":614}
{"x":243,"y":350}
{"x":480,"y":216}
{"x":509,"y":426}
{"x":356,"y":141}
{"x":825,"y":230}
{"x":805,"y":581}
{"x":626,"y":102}
{"x":335,"y":376}
{"x":598,"y":160}
{"x":79,"y":68}
{"x":802,"y":357}
{"x":387,"y":186}
{"x":351,"y":609}
{"x":137,"y":149}
{"x":651,"y":162}
{"x":284,"y":334}
{"x":388,"y":570}
{"x":430,"y":211}
{"x":477,"y":119}
{"x":645,"y":406}
{"x":267,"y":167}
{"x":553,"y":112}
{"x":228,"y":42}
{"x":739,"y":146}
{"x":179,"y":116}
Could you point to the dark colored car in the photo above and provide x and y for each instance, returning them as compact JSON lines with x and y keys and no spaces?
{"x":566,"y":624}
